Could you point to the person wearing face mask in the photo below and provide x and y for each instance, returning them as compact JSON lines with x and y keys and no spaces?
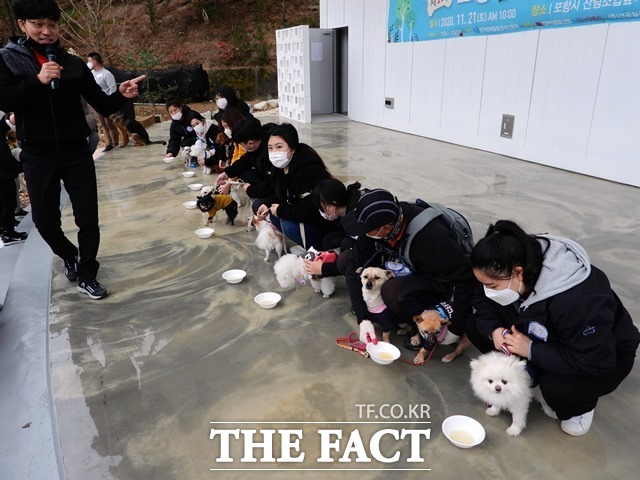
{"x":298,"y":169}
{"x":206,"y":132}
{"x":440,"y":270}
{"x":232,"y":150}
{"x":226,"y":98}
{"x":334,"y":200}
{"x":181,"y":133}
{"x":107,"y":83}
{"x":45,"y":96}
{"x":543,"y":300}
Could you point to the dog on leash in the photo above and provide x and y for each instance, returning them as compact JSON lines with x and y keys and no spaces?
{"x":211,"y":202}
{"x":290,"y":270}
{"x":197,"y":150}
{"x":372,"y":279}
{"x":269,"y":238}
{"x":503,"y":383}
{"x":432,"y":327}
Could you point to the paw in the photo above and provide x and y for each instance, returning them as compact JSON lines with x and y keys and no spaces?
{"x":549,"y":412}
{"x":416,"y":340}
{"x":419,"y":358}
{"x":386,"y":336}
{"x":403,"y":330}
{"x":326,"y":296}
{"x":514,"y":430}
{"x":492,"y":411}
{"x":449,"y":358}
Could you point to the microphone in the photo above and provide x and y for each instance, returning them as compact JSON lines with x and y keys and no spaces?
{"x":51,"y":52}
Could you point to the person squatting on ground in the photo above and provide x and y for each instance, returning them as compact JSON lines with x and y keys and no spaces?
{"x":181,"y":133}
{"x":51,"y":126}
{"x":298,"y":169}
{"x":107,"y":82}
{"x":9,"y":171}
{"x":441,"y":271}
{"x":560,"y":314}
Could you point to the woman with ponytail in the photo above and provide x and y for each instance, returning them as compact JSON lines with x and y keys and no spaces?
{"x":543,"y":300}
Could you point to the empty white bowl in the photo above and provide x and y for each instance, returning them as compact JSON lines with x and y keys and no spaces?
{"x":204,"y":232}
{"x":187,"y":174}
{"x":168,"y":159}
{"x":195,"y":186}
{"x":267,"y":299}
{"x":190,"y":205}
{"x":463,"y":431}
{"x":234,"y":276}
{"x":383,"y":353}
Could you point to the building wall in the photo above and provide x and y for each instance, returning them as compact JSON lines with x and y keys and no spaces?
{"x":573,"y":90}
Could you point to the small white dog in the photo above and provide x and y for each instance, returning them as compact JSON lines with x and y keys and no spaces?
{"x":290,"y":270}
{"x":372,"y":279}
{"x":268,"y":237}
{"x":503,"y":383}
{"x":197,"y":150}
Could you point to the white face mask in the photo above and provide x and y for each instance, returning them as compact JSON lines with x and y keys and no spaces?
{"x":503,"y":297}
{"x":90,"y":65}
{"x":331,"y":217}
{"x":199,"y":129}
{"x":221,"y":103}
{"x":177,"y":116}
{"x":279,"y":159}
{"x":227,"y":132}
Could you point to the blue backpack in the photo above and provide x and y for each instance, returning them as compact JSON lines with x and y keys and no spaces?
{"x":453,"y":219}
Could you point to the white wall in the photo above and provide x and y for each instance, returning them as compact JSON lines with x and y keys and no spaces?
{"x":573,"y":91}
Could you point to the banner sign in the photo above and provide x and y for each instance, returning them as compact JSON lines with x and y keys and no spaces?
{"x":419,"y":20}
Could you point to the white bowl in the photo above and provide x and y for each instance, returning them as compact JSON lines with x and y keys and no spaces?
{"x":195,"y":186}
{"x":234,"y":276}
{"x":383,"y":353}
{"x":204,"y":232}
{"x":463,"y":431}
{"x":188,"y":174}
{"x":190,"y":205}
{"x":168,"y":159}
{"x":267,"y":299}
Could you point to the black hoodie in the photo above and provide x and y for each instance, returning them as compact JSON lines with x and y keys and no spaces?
{"x":50,"y":120}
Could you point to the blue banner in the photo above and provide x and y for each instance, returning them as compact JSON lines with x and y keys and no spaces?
{"x":419,"y":20}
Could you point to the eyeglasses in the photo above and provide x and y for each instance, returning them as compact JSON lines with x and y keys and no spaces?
{"x":42,"y":25}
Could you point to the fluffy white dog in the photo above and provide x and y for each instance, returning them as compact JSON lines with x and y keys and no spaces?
{"x":197,"y":150}
{"x":268,"y":237}
{"x":290,"y":270}
{"x":503,"y":383}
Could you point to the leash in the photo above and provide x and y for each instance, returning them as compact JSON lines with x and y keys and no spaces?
{"x":348,"y":343}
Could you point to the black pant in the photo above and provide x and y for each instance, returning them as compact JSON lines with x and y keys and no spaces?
{"x":76,"y":169}
{"x":8,"y":204}
{"x":568,"y":395}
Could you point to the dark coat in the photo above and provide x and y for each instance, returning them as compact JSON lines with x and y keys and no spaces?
{"x":50,"y":120}
{"x":586,"y":327}
{"x":9,"y":166}
{"x":180,"y":133}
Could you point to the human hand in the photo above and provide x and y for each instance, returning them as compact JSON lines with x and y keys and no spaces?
{"x":49,"y":71}
{"x":517,"y":343}
{"x":169,"y":155}
{"x":367,"y":332}
{"x":201,"y":162}
{"x":222,"y":179}
{"x":274,"y":209}
{"x":497,"y":337}
{"x":225,"y":188}
{"x":129,"y":88}
{"x":313,"y":267}
{"x":246,"y":186}
{"x":262,"y":211}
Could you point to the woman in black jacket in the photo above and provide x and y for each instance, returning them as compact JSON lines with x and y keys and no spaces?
{"x":9,"y":171}
{"x":226,"y":98}
{"x":543,"y":300}
{"x":298,"y":169}
{"x":181,"y":134}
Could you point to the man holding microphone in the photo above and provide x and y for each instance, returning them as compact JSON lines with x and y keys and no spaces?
{"x":42,"y":84}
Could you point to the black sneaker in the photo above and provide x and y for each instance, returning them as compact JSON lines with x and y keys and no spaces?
{"x":20,"y":213}
{"x":15,"y":237}
{"x":92,"y":288}
{"x":71,"y":269}
{"x":108,"y":148}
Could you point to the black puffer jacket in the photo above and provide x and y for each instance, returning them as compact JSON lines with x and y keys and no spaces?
{"x":180,"y":133}
{"x":232,"y":102}
{"x":293,"y":189}
{"x":9,"y":166}
{"x":50,"y":120}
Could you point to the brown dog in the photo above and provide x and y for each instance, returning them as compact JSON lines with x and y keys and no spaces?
{"x":430,"y":324}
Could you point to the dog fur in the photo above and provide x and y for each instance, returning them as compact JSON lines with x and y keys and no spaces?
{"x":503,"y":383}
{"x":290,"y":269}
{"x":197,"y":151}
{"x":268,"y":238}
{"x":208,"y":201}
{"x":372,"y":279}
{"x":431,"y":324}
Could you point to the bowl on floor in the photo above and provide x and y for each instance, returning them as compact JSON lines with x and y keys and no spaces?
{"x":383,"y":353}
{"x":463,"y":431}
{"x":204,"y":232}
{"x":195,"y":186}
{"x":267,"y":299}
{"x":234,"y":276}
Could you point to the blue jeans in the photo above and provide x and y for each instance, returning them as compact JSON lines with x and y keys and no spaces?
{"x":291,"y":229}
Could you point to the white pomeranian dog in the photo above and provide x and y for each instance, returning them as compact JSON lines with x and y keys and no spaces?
{"x":268,"y":237}
{"x":290,"y":270}
{"x":503,"y":383}
{"x":197,"y":150}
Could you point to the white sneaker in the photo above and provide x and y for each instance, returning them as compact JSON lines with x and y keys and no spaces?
{"x":450,"y":338}
{"x":579,"y":425}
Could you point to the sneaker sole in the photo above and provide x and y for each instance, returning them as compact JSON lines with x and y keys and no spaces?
{"x":6,"y":244}
{"x":72,"y":278}
{"x":91,"y":295}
